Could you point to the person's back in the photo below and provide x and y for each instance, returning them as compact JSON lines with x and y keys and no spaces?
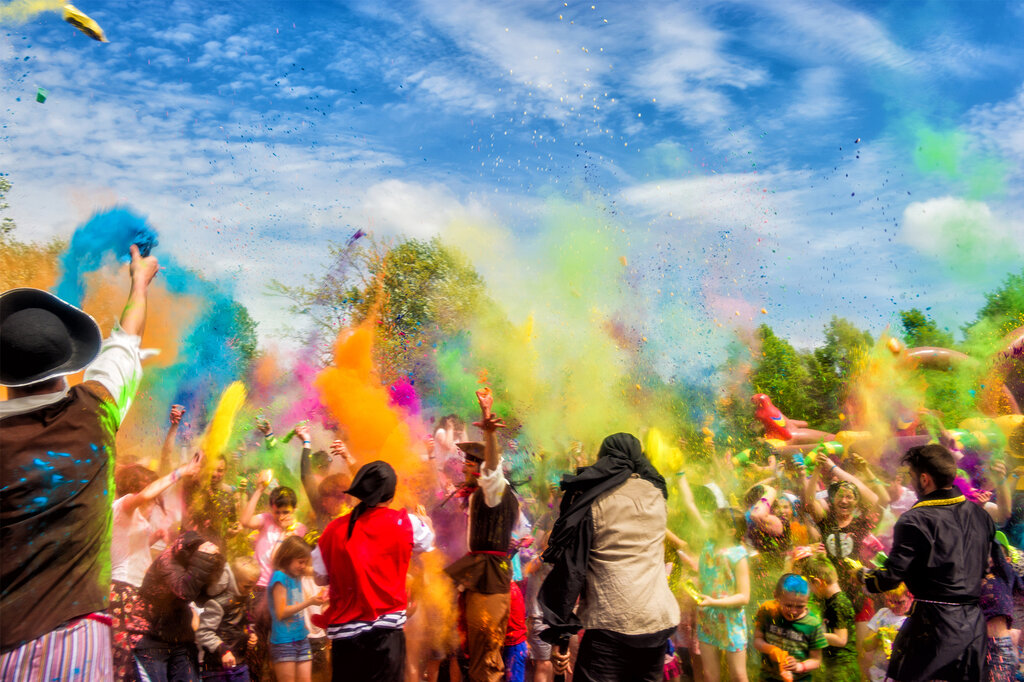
{"x":56,"y":507}
{"x":367,"y":570}
{"x":960,"y":538}
{"x":627,"y":591}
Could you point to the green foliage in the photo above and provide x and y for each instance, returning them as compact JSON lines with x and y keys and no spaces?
{"x":781,"y":373}
{"x":1004,"y":308}
{"x":830,"y":367}
{"x":417,"y":292}
{"x":246,"y":338}
{"x":921,"y":330}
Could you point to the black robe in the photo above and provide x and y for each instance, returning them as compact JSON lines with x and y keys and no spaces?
{"x":941,"y":547}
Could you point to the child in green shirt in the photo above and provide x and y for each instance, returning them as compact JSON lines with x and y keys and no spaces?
{"x":788,"y":636}
{"x":840,"y":661}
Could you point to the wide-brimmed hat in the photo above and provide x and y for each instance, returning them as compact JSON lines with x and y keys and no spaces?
{"x":473,"y":450}
{"x":42,"y":337}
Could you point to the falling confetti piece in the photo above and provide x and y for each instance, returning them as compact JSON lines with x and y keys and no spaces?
{"x":41,"y":94}
{"x":622,"y":259}
{"x":763,"y":311}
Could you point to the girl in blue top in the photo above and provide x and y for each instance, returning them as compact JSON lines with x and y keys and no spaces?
{"x":289,"y":643}
{"x":725,"y":591}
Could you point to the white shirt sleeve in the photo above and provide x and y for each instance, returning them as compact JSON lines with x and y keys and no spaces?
{"x":422,"y":536}
{"x":119,"y":368}
{"x":319,"y":567}
{"x":493,"y":483}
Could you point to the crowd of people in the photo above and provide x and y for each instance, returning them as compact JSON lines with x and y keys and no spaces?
{"x":777,"y":570}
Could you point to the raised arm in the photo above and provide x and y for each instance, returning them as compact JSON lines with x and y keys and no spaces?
{"x":309,"y":482}
{"x":761,"y":513}
{"x":168,"y":447}
{"x":151,"y":491}
{"x":142,"y":272}
{"x":247,"y":515}
{"x":868,"y":497}
{"x":688,"y":503}
{"x":811,"y":502}
{"x":489,"y":424}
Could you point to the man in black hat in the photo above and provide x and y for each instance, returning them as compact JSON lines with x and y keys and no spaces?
{"x":364,"y":557}
{"x":941,"y":549}
{"x":56,"y":451}
{"x":485,"y":573}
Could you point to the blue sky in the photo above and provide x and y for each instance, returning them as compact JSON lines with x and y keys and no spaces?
{"x":777,"y":153}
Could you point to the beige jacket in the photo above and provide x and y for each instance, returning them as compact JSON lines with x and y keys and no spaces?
{"x":627,"y":590}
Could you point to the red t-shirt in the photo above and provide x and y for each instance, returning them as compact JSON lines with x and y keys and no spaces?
{"x":367,"y":571}
{"x":516,"y":632}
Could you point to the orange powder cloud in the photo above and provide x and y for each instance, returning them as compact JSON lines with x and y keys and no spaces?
{"x":352,"y":391}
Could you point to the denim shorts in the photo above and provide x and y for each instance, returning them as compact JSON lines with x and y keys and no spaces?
{"x":296,"y":652}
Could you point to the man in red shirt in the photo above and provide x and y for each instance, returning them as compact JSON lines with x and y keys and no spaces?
{"x":364,"y":557}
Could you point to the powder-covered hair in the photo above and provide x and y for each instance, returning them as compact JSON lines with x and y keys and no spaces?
{"x":793,"y":584}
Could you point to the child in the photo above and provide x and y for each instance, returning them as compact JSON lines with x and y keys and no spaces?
{"x":883,"y":627}
{"x":789,"y":638}
{"x":289,"y":645}
{"x":222,"y":625}
{"x":514,"y":651}
{"x":725,"y":591}
{"x":840,"y":660}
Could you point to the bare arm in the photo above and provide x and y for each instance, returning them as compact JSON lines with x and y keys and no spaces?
{"x":761,"y":514}
{"x":837,"y":638}
{"x":1004,"y":498}
{"x":153,"y":490}
{"x":285,"y":610}
{"x":247,"y":515}
{"x":142,"y":272}
{"x":868,"y":497}
{"x":490,"y":425}
{"x":811,"y":502}
{"x":688,"y":504}
{"x":168,"y":447}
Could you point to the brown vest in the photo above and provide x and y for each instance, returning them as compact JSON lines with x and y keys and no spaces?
{"x":55,"y":515}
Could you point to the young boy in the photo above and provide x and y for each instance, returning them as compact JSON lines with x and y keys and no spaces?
{"x":840,"y":660}
{"x":883,"y":626}
{"x":222,"y":627}
{"x":788,"y":636}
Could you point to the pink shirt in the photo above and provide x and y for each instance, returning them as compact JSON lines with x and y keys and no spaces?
{"x":269,"y":537}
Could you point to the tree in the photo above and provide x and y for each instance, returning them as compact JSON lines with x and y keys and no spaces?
{"x":921,"y":330}
{"x":781,"y":373}
{"x":418,"y":292}
{"x":830,"y":367}
{"x":1004,"y":307}
{"x":7,"y":223}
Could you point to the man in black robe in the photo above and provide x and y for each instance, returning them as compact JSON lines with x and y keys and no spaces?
{"x":941,"y":548}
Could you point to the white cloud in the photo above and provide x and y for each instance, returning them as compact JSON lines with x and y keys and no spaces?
{"x":817,"y":96}
{"x":963,"y":234}
{"x":1001,"y":127}
{"x":414,"y":209}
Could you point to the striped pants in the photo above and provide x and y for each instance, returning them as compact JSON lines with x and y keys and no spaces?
{"x":78,"y":651}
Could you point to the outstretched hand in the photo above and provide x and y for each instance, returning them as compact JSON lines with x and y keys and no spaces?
{"x":490,"y":423}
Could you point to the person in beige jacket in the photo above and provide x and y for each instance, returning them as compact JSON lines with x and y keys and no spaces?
{"x":607,"y":550}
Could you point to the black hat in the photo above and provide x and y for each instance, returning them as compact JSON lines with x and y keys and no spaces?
{"x":472,"y":450}
{"x":42,"y":337}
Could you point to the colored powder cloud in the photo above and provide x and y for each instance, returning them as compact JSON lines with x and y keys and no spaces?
{"x":20,"y":11}
{"x":352,"y":391}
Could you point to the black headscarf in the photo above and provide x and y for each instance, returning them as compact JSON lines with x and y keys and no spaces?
{"x":620,"y":457}
{"x":374,"y":484}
